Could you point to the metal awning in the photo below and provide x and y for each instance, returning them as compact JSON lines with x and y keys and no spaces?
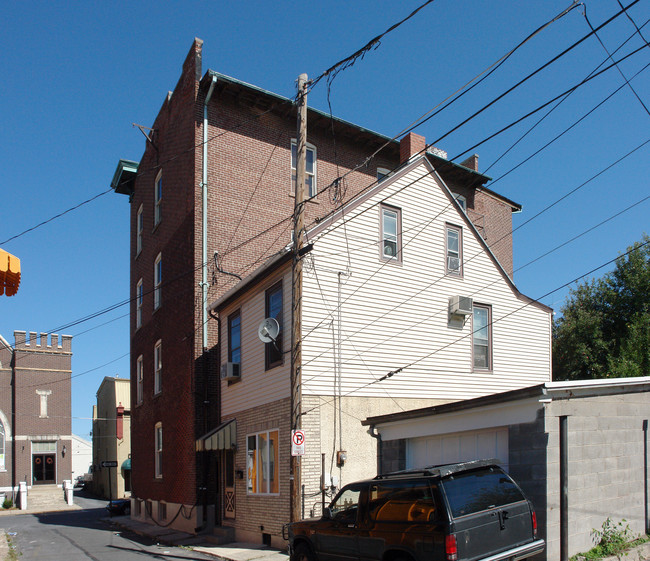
{"x":9,"y":273}
{"x":224,"y":437}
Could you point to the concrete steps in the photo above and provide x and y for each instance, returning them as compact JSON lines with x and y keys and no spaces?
{"x":44,"y":497}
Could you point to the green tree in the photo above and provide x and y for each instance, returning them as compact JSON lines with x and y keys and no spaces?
{"x":604,"y":327}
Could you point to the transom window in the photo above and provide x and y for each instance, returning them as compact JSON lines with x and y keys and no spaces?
{"x":262,"y":463}
{"x":482,"y":337}
{"x":310,"y":169}
{"x":391,"y":235}
{"x":157,"y":210}
{"x":454,"y":245}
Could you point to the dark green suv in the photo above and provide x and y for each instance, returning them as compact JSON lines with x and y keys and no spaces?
{"x":456,"y":512}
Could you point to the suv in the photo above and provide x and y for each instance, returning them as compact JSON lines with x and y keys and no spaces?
{"x":455,"y":512}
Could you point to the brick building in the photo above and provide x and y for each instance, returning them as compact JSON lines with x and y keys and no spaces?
{"x":210,"y":200}
{"x":112,"y":439}
{"x":35,"y":410}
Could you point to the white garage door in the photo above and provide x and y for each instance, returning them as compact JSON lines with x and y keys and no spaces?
{"x":458,"y":447}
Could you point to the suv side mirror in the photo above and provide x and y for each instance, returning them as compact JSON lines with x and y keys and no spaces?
{"x":327,"y":513}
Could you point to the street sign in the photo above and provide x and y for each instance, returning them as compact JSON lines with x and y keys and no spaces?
{"x":109,"y":464}
{"x":297,"y":443}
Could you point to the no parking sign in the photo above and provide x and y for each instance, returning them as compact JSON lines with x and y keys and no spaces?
{"x":297,"y":442}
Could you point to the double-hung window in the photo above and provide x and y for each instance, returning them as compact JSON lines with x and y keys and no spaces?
{"x":139,"y":225}
{"x":157,"y":367}
{"x":139,"y":376}
{"x":274,"y":308}
{"x":382,"y":173}
{"x":482,"y":337}
{"x":262,"y":463}
{"x":391,"y":235}
{"x":310,"y":169}
{"x":158,"y":442}
{"x":157,"y":207}
{"x":139,"y":294}
{"x":454,"y":250}
{"x":234,"y":337}
{"x":157,"y":282}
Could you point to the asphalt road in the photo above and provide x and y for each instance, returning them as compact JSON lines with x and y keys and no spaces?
{"x":83,"y":535}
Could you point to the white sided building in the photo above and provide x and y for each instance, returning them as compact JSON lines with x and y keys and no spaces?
{"x":403,"y":307}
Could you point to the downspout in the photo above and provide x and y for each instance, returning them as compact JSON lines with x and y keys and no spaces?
{"x":204,"y":202}
{"x":204,"y":289}
{"x":372,"y":431}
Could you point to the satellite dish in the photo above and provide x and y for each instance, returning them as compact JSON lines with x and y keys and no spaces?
{"x":268,"y":330}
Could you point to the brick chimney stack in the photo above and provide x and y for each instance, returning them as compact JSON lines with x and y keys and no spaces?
{"x":411,"y":145}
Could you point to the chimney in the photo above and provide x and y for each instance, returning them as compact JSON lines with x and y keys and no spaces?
{"x":471,"y":162}
{"x":411,"y":145}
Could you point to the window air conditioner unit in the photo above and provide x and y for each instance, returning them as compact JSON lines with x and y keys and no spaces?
{"x":230,"y":371}
{"x":461,"y":306}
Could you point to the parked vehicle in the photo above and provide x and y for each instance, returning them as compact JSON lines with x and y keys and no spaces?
{"x":456,"y":512}
{"x":120,"y":507}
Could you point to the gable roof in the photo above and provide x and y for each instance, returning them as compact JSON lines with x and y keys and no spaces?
{"x":344,"y":210}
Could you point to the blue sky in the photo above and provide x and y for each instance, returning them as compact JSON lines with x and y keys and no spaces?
{"x":76,"y":75}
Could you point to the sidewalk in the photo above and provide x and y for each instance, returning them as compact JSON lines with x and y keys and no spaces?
{"x":230,"y":552}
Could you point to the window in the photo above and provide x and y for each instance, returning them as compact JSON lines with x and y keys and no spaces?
{"x":162,"y":511}
{"x":454,"y":243}
{"x":482,"y":337}
{"x":274,"y":356}
{"x":159,"y":450}
{"x":157,"y":209}
{"x":382,"y":173}
{"x":403,"y":501}
{"x":346,"y":507}
{"x":2,"y":446}
{"x":139,"y":376}
{"x":262,"y":463}
{"x":310,"y":169}
{"x":391,"y":235}
{"x":157,"y":367}
{"x":461,"y":200}
{"x":157,"y":281}
{"x":138,"y":304}
{"x":43,"y":395}
{"x":234,"y":337}
{"x":139,"y":228}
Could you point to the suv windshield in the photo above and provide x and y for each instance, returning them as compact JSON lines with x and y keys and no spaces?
{"x":475,"y":491}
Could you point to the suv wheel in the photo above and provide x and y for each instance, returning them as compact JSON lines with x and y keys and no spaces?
{"x":302,"y":553}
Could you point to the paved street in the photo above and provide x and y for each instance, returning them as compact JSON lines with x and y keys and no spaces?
{"x":81,"y":535}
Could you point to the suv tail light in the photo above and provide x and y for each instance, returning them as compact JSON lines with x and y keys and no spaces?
{"x":534,"y":525}
{"x":451,"y":548}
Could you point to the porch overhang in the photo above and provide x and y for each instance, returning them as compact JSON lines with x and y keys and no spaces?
{"x":224,"y":437}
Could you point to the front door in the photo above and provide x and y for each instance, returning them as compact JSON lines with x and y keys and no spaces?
{"x":229,"y":484}
{"x":44,"y":468}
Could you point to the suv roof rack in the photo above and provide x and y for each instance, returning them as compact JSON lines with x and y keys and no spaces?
{"x":439,"y":470}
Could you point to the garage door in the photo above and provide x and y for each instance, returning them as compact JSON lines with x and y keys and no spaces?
{"x":458,"y":447}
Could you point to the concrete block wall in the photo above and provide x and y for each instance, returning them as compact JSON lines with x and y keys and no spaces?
{"x":606,"y":466}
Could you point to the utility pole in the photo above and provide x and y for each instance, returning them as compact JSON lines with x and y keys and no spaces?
{"x":296,"y":332}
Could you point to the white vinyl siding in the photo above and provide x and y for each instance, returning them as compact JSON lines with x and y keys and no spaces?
{"x":258,"y":386}
{"x":392,"y":319}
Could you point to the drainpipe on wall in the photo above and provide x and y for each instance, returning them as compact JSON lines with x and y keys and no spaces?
{"x":204,"y":233}
{"x":372,"y":431}
{"x":564,"y":489}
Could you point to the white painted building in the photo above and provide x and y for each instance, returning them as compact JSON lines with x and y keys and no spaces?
{"x":82,"y":456}
{"x":404,"y":306}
